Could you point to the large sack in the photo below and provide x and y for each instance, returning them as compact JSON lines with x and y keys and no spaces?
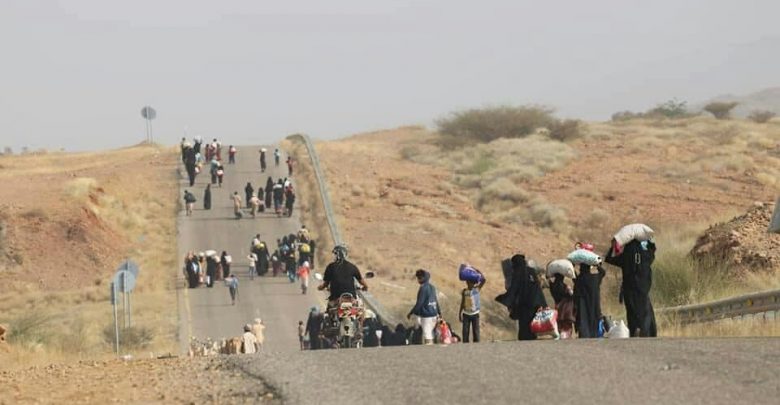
{"x":584,"y":256}
{"x":468,"y":273}
{"x":640,"y":232}
{"x":562,"y":267}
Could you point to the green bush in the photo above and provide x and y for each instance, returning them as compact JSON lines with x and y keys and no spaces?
{"x":488,"y":124}
{"x":670,"y":109}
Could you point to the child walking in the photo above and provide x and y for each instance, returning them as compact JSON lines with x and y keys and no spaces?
{"x":469,"y":308}
{"x":301,"y":332}
{"x":303,"y":275}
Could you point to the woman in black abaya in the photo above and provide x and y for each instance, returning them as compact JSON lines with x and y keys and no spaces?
{"x":207,"y":197}
{"x":269,"y":185}
{"x":523,"y":298}
{"x":635,"y":262}
{"x":587,"y":301}
{"x":248,"y":190}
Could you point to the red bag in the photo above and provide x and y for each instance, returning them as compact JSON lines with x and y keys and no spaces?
{"x":545,"y":322}
{"x":445,"y":334}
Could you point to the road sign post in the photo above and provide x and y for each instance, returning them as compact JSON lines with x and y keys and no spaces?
{"x":116,"y":321}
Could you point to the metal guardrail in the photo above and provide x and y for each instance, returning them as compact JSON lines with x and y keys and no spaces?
{"x":743,"y":306}
{"x":370,"y":301}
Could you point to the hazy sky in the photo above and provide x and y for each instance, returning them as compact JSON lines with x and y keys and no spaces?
{"x":75,"y":73}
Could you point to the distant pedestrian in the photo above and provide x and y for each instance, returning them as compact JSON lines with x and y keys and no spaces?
{"x":303,"y":275}
{"x":213,"y":165}
{"x":190,"y":164}
{"x":189,"y":202}
{"x":248,"y":191}
{"x":207,"y":197}
{"x":256,"y":203}
{"x":226,"y":261}
{"x":248,"y":341}
{"x":252,"y":263}
{"x":277,"y":156}
{"x":289,"y":166}
{"x":269,"y":185}
{"x":232,"y":284}
{"x":276,"y":263}
{"x":220,"y":173}
{"x":289,"y":201}
{"x":258,"y":329}
{"x":469,"y":308}
{"x":236,"y":205}
{"x":301,"y":333}
{"x":262,"y":160}
{"x":232,"y":155}
{"x":278,"y":191}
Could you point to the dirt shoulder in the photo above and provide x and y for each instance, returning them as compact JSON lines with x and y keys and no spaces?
{"x":178,"y":380}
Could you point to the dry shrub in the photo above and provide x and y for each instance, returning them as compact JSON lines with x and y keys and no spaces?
{"x":408,"y":152}
{"x":565,"y":130}
{"x":131,"y":337}
{"x":35,"y":213}
{"x":761,"y":116}
{"x":549,"y":216}
{"x":31,"y":329}
{"x":80,"y":186}
{"x":502,"y":193}
{"x":720,"y":109}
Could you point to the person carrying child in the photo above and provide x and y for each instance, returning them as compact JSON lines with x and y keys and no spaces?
{"x":470,"y":306}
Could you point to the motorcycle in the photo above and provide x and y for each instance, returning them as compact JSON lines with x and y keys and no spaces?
{"x":343,"y":320}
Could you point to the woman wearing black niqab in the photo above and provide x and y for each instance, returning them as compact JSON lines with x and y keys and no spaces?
{"x":635,"y":262}
{"x":269,"y":185}
{"x":248,"y":190}
{"x":207,"y":197}
{"x":523,"y":298}
{"x":587,"y":301}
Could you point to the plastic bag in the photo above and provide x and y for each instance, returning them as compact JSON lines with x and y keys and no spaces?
{"x":445,"y":334}
{"x":584,"y":256}
{"x":562,"y":267}
{"x":618,"y":330}
{"x":545,"y":322}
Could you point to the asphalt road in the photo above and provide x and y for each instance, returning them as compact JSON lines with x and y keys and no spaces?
{"x":207,"y":312}
{"x":635,"y":371}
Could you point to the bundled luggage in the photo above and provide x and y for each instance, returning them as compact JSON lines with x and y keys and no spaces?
{"x":545,"y":322}
{"x":468,"y":273}
{"x":561,"y":266}
{"x":584,"y":256}
{"x":640,"y":232}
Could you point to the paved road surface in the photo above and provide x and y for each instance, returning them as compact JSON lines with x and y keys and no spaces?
{"x":207,"y":312}
{"x":637,"y":371}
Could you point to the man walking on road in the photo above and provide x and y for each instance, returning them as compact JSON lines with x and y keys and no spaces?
{"x":231,"y":282}
{"x":236,"y":205}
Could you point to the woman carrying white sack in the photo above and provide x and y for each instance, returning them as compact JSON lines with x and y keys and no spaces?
{"x":587,"y":290}
{"x":563,"y":295}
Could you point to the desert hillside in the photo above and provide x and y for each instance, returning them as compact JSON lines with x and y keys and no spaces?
{"x":67,"y":220}
{"x":405,"y":202}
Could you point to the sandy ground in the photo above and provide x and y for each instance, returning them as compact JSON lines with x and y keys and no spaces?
{"x":177,"y":380}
